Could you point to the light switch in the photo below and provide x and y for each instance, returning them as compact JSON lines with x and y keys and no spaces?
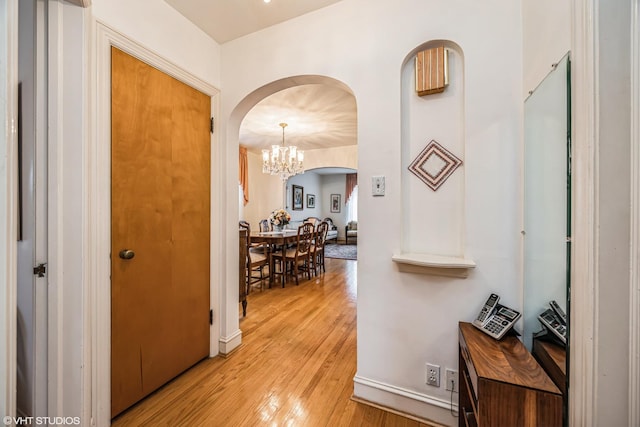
{"x":377,"y":185}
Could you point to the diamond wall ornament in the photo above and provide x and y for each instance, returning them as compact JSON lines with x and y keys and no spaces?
{"x":434,"y":165}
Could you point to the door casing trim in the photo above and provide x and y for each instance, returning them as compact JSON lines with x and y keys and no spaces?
{"x":634,"y":288}
{"x":99,"y":196}
{"x":8,"y":218}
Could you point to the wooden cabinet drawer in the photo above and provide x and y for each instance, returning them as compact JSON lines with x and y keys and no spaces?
{"x":470,"y":371}
{"x":501,"y":384}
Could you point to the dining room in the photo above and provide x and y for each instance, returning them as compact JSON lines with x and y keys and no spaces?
{"x":298,"y":154}
{"x":275,"y":244}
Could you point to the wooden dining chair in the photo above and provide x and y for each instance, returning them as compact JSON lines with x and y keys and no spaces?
{"x":295,"y":259}
{"x":317,"y":248}
{"x":257,"y":259}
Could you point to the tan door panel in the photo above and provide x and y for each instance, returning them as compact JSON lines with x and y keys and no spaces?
{"x":160,"y":209}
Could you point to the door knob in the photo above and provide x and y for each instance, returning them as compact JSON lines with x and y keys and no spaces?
{"x":127,"y":254}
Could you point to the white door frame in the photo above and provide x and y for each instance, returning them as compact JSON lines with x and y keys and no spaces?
{"x":32,"y":247}
{"x":585,"y":288}
{"x":634,"y":288}
{"x":584,"y":253}
{"x":8,"y":220}
{"x":99,"y":200}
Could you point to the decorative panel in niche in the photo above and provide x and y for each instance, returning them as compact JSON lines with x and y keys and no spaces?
{"x":432,"y":71}
{"x":434,"y":165}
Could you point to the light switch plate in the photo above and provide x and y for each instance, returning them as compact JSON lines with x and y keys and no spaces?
{"x":377,"y":185}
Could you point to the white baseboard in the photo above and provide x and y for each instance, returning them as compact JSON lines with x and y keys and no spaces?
{"x":405,"y":401}
{"x":230,"y":343}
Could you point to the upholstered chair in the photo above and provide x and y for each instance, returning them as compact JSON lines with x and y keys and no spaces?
{"x":351,"y":231}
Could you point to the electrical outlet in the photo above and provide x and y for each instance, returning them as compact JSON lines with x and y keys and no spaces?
{"x":451,"y":379}
{"x":433,"y":375}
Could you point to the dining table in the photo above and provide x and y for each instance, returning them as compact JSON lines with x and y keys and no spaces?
{"x":274,"y":240}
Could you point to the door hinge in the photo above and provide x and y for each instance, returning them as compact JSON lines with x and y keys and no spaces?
{"x":211,"y":317}
{"x":40,"y":270}
{"x":211,"y":125}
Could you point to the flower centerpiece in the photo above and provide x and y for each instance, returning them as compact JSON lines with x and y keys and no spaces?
{"x":279,"y":218}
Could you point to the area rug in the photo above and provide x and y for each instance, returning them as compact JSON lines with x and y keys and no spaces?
{"x":341,"y":251}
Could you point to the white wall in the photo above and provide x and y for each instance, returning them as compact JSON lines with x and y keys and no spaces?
{"x":311,"y":184}
{"x":339,"y":157}
{"x":546,"y":38}
{"x":157,"y":26}
{"x":265,"y":193}
{"x":405,"y":320}
{"x":334,"y":184}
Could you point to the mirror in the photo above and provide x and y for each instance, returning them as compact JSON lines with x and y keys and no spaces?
{"x":547,"y":222}
{"x":547,"y":197}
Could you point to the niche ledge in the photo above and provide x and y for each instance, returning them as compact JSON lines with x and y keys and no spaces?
{"x":436,"y":265}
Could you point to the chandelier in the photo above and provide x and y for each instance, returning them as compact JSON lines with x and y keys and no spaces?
{"x":282,"y":160}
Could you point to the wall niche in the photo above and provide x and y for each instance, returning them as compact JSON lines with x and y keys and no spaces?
{"x":433,"y":156}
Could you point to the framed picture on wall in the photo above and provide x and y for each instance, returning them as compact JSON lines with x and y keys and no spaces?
{"x":297,"y":197}
{"x":335,"y":203}
{"x":311,"y":201}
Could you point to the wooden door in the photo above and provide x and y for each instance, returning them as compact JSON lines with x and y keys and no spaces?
{"x":160,"y":210}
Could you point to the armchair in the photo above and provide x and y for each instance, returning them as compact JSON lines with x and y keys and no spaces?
{"x":351,"y":231}
{"x":332,"y":234}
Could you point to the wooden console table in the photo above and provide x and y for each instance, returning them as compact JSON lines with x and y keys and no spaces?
{"x":501,"y":384}
{"x":553,"y":359}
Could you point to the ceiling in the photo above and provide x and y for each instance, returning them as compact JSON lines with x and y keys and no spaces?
{"x":225,"y":20}
{"x":318,"y":116}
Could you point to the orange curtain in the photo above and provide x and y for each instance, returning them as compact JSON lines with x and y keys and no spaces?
{"x":243,"y":173}
{"x":352,"y":181}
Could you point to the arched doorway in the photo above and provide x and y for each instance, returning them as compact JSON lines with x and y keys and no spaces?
{"x":321,"y":117}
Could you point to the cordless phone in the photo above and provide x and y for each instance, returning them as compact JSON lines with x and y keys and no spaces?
{"x":487,"y":309}
{"x":559,"y":312}
{"x":495,"y":319}
{"x":551,"y":321}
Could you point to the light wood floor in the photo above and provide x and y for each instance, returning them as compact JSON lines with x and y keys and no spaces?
{"x":295,"y":366}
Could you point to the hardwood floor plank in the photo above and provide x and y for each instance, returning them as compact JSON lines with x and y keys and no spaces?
{"x":295,"y":366}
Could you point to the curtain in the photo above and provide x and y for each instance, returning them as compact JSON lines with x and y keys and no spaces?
{"x":352,"y":206}
{"x":243,"y":173}
{"x":352,"y":181}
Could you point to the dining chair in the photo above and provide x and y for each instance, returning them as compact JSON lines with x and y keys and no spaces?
{"x":295,"y":259}
{"x":317,"y":248}
{"x":257,"y":259}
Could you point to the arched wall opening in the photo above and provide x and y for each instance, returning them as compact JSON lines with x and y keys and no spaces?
{"x":267,"y":192}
